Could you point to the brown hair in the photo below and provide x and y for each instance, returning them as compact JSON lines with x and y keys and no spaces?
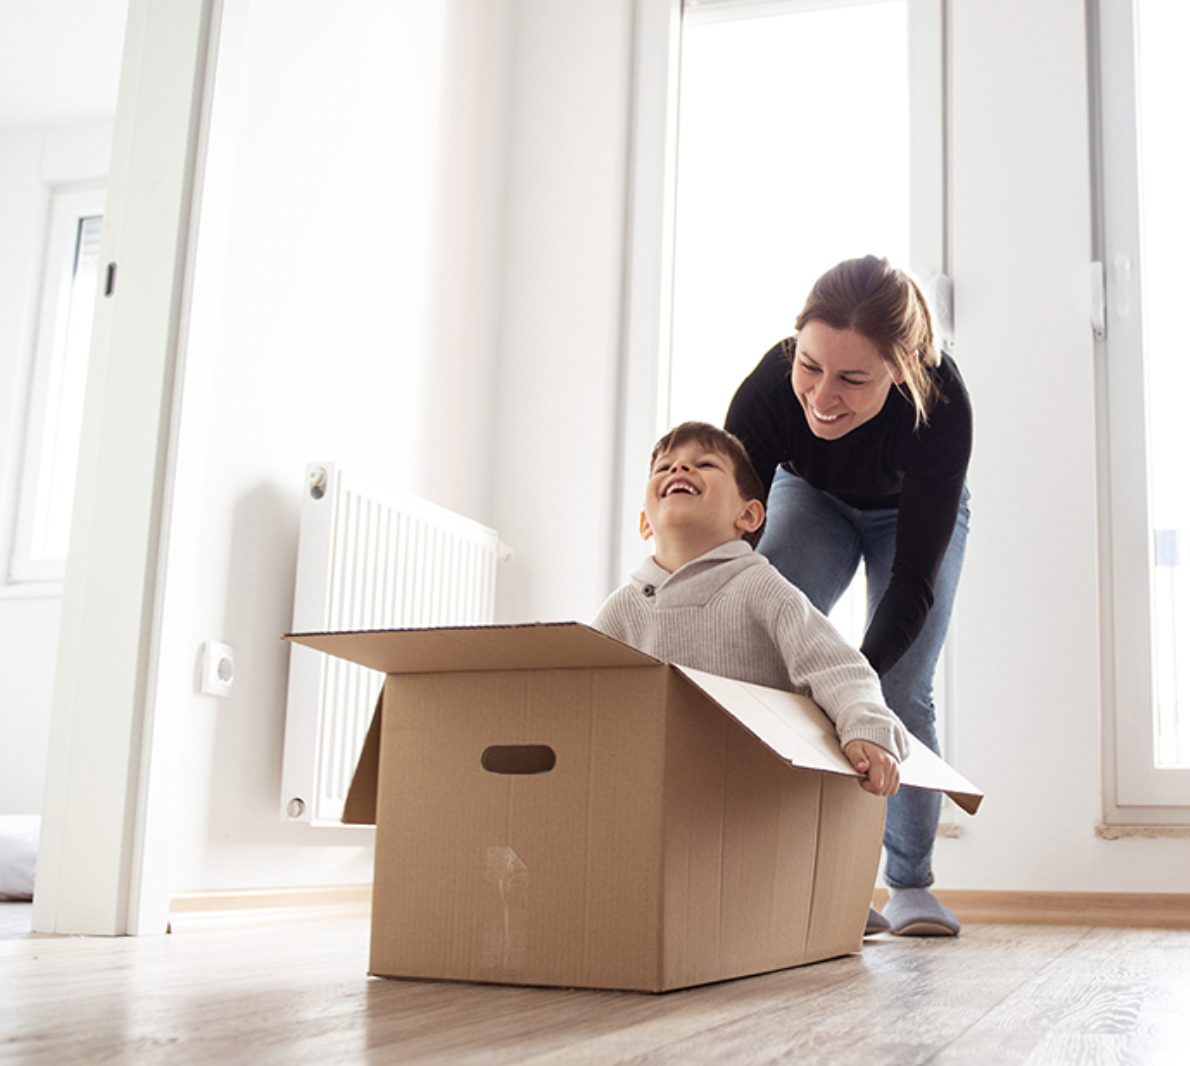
{"x":887,"y":307}
{"x":730,"y":447}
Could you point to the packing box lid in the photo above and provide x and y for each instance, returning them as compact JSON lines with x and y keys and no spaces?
{"x":533,"y":646}
{"x":791,"y":726}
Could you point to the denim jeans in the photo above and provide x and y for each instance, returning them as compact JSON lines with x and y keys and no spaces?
{"x":816,"y":541}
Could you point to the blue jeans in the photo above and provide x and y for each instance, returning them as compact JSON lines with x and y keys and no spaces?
{"x":817,"y":542}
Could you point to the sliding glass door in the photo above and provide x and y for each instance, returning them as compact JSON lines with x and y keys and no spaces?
{"x":1142,"y":84}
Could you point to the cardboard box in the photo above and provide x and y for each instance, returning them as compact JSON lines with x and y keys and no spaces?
{"x":553,"y":807}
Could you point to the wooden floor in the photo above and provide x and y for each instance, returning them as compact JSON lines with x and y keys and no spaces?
{"x":295,"y":991}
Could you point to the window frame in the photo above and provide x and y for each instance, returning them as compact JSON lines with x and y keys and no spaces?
{"x":1135,"y":790}
{"x":68,"y":206}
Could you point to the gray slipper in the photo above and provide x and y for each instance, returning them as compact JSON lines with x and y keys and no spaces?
{"x":877,"y":923}
{"x":915,"y":912}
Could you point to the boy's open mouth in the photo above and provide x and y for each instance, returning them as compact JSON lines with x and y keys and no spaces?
{"x":678,"y":484}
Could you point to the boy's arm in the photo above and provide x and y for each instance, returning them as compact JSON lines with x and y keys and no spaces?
{"x":838,"y":677}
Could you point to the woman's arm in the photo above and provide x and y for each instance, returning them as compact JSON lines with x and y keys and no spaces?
{"x":925,"y":522}
{"x":931,"y":491}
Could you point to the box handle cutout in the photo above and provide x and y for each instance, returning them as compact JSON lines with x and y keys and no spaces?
{"x":518,"y":759}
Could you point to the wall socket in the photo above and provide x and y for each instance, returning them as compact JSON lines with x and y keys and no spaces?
{"x":218,"y":670}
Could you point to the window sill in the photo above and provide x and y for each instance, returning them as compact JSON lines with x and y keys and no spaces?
{"x":1147,"y":832}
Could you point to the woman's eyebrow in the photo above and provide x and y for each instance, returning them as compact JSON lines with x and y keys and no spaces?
{"x":858,"y":371}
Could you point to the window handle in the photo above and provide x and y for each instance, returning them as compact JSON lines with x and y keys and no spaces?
{"x":1098,"y":302}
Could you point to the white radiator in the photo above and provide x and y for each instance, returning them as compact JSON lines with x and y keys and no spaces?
{"x":369,"y":557}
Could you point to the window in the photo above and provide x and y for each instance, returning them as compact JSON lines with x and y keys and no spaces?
{"x":1144,"y":228}
{"x":792,"y":155}
{"x":59,"y":381}
{"x":794,"y":151}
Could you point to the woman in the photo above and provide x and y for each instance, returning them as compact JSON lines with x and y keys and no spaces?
{"x":860,"y":429}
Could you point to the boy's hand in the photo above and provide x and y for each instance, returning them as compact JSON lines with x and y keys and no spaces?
{"x":882,"y":776}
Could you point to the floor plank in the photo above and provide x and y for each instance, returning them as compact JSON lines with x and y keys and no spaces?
{"x":1120,"y":996}
{"x":256,"y":991}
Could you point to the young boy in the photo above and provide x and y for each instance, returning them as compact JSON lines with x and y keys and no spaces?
{"x":706,"y":600}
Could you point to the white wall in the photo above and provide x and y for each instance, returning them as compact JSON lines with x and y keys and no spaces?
{"x":29,"y":637}
{"x":1029,"y":694}
{"x":60,"y":60}
{"x":33,"y":161}
{"x":562,"y":306}
{"x":446,"y":319}
{"x":345,"y":307}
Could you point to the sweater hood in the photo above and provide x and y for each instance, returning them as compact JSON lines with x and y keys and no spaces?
{"x":694,"y":584}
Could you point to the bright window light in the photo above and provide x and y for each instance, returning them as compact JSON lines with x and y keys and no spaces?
{"x":793,"y":154}
{"x":1163,"y":85}
{"x":54,"y":425}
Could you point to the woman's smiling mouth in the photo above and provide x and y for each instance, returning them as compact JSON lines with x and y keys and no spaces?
{"x":824,"y":417}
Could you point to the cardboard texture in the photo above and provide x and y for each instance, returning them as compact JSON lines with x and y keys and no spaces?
{"x":555,"y":808}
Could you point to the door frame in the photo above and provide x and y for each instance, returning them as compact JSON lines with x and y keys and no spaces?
{"x":104,"y":861}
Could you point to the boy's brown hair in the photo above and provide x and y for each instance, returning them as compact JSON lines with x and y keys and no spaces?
{"x":730,"y":447}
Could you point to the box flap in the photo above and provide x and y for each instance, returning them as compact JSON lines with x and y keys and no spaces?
{"x":797,"y":730}
{"x":536,"y":646}
{"x":359,"y":808}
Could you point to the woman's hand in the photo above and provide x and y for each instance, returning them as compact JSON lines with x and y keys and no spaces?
{"x":882,"y":775}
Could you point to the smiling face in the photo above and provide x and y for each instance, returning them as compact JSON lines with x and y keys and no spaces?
{"x":693,"y":504}
{"x":839,"y":378}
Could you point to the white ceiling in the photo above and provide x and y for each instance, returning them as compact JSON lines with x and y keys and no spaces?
{"x":59,"y":60}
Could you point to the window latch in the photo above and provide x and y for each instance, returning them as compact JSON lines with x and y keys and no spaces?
{"x":1098,"y":301}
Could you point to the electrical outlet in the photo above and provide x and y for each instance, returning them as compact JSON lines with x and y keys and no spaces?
{"x":218,"y":668}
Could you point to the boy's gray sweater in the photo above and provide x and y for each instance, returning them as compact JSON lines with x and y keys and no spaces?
{"x":730,"y":612}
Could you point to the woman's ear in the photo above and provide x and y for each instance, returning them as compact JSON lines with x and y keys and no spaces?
{"x":646,"y":530}
{"x":751,"y":518}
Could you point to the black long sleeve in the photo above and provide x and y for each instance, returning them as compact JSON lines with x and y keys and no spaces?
{"x":884,"y":462}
